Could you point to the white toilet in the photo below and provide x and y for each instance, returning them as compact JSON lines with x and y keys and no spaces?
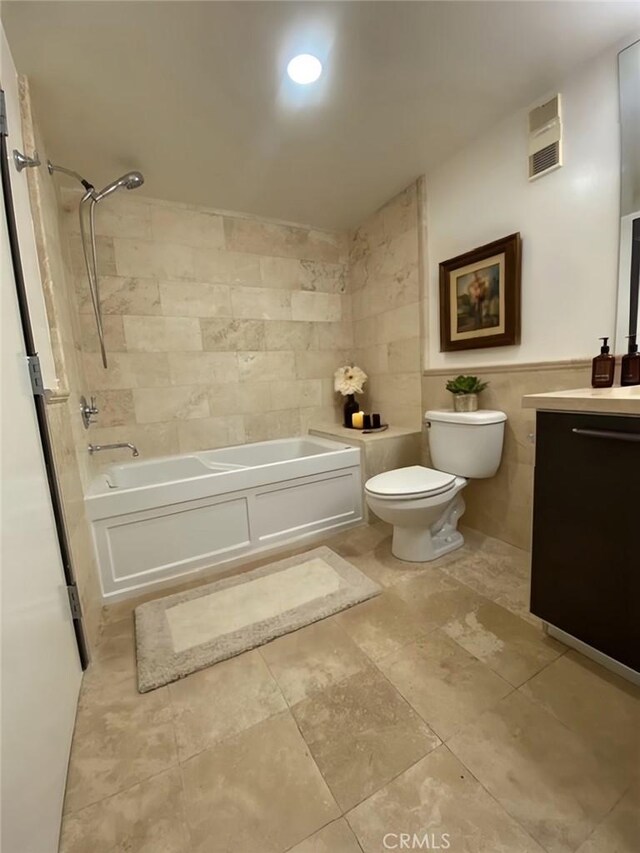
{"x":425,"y":504}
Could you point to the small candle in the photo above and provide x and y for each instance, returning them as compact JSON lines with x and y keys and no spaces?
{"x":357,"y":420}
{"x":376,"y":420}
{"x":367,"y":422}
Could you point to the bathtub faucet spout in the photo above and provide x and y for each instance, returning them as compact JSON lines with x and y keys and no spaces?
{"x":95,"y":448}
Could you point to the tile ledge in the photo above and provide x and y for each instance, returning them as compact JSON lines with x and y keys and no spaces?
{"x":524,"y":367}
{"x":339,"y":431}
{"x":54,"y":397}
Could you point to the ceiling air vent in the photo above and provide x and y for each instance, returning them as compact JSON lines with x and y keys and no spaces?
{"x":545,"y":138}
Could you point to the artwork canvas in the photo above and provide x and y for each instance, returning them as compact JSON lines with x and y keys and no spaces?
{"x":480,"y":297}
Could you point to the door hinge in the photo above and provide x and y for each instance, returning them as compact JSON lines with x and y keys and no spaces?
{"x":35,"y":375}
{"x":4,"y":127}
{"x":74,"y":601}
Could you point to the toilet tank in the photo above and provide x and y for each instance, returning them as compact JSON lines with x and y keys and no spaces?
{"x":468,"y":444}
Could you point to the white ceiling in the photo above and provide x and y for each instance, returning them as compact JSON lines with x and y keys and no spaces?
{"x":195,"y":96}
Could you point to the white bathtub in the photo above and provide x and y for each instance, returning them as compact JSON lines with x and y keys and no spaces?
{"x":161,"y":519}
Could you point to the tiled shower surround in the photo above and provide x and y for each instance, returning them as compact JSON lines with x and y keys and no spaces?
{"x":219,"y":329}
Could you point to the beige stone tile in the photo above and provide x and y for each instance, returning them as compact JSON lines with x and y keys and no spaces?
{"x":404,"y":356}
{"x":543,"y":774}
{"x":179,"y":402}
{"x":334,"y":336}
{"x":122,"y":296}
{"x":194,"y":299}
{"x":219,"y":265}
{"x":437,"y":599}
{"x":601,"y":707}
{"x":266,"y":366}
{"x":116,"y":407}
{"x":361,"y":734}
{"x":381,"y":566}
{"x":122,"y":217}
{"x":619,"y":831}
{"x":443,"y":683}
{"x":306,"y":661}
{"x":258,"y":303}
{"x":323,"y":277}
{"x":203,"y":368}
{"x":149,"y":259}
{"x":146,"y":818}
{"x":360,"y":540}
{"x":295,"y":393}
{"x":265,"y":426}
{"x":222,"y":700}
{"x":284,"y":273}
{"x":289,"y":335}
{"x":438,"y":796}
{"x":481,"y":572}
{"x":105,"y":254}
{"x":267,"y":238}
{"x":126,"y":370}
{"x":233,"y":335}
{"x":318,"y":307}
{"x":187,"y":227}
{"x":258,"y":790}
{"x":113,"y":328}
{"x":513,"y":648}
{"x":120,"y":739}
{"x":336,"y":837}
{"x":318,"y":365}
{"x":398,"y":324}
{"x":209,"y":433}
{"x":239,"y":398}
{"x":162,"y":334}
{"x":382,"y":625}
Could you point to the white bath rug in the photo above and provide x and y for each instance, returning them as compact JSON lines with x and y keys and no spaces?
{"x":187,"y":631}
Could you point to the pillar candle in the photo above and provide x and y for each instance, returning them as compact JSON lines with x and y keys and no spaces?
{"x":357,"y":420}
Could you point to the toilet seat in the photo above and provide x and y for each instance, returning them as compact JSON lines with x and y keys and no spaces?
{"x":415,"y":481}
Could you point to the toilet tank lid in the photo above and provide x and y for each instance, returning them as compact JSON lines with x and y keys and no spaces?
{"x":482,"y":416}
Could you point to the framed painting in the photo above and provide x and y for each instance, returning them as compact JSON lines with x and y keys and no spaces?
{"x":480,"y":297}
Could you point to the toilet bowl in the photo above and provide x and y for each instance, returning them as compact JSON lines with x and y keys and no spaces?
{"x":423,"y":504}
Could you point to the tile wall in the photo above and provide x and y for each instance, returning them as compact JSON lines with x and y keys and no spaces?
{"x":220,"y":329}
{"x":384,"y":282}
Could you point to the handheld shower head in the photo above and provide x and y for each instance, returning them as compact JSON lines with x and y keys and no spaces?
{"x":130,"y":181}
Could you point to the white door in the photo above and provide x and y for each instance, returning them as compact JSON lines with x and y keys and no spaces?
{"x":40,"y":674}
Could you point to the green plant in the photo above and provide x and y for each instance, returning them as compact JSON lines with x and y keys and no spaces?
{"x":466,"y":385}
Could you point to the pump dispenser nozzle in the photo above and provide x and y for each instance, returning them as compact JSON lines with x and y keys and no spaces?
{"x":633,"y":346}
{"x":605,"y":345}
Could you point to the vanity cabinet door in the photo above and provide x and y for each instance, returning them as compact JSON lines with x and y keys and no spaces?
{"x":585,"y":576}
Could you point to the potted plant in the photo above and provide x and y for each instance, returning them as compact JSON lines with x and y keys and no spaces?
{"x":465,"y":390}
{"x":349,"y":381}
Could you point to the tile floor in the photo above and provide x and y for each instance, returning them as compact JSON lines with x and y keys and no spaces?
{"x":438,"y":709}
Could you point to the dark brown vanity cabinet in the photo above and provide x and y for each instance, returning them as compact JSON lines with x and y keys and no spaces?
{"x":585,"y":575}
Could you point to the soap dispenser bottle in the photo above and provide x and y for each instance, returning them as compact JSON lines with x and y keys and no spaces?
{"x":630,"y":373}
{"x":603,"y":367}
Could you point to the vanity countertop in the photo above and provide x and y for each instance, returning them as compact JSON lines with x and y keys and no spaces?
{"x":614,"y":401}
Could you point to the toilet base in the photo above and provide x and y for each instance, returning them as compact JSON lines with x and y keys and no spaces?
{"x":421,"y":544}
{"x":418,"y":545}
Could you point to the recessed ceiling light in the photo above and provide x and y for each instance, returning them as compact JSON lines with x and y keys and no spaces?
{"x":304,"y":68}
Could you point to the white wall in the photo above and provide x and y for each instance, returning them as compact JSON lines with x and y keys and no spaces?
{"x":569,"y":222}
